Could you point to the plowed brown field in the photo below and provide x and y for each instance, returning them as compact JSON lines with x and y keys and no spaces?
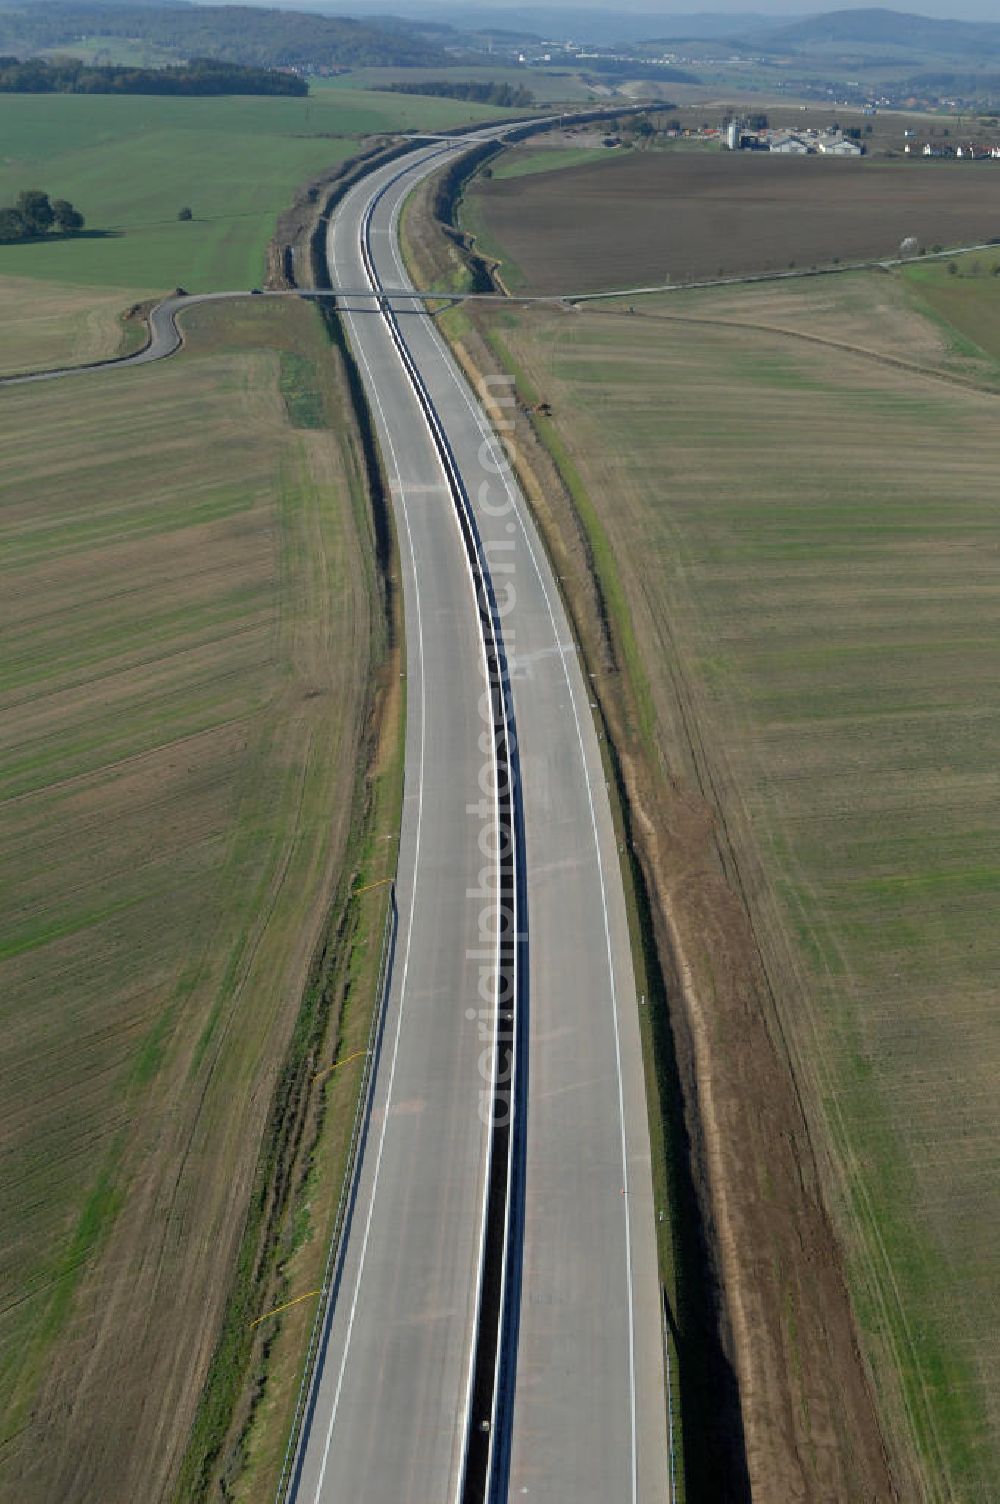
{"x":647,"y":217}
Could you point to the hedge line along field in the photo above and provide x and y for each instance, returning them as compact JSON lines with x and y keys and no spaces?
{"x":188,"y":634}
{"x":130,"y":164}
{"x":635,"y":218}
{"x":799,"y":500}
{"x":547,"y":85}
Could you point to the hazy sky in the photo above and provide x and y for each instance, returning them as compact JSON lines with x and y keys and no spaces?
{"x":953,"y":10}
{"x":946,"y":10}
{"x":970,"y":10}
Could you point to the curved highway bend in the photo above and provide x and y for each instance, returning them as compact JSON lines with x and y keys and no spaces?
{"x":579,"y":1377}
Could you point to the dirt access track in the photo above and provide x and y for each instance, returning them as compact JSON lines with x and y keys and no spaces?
{"x":706,"y":215}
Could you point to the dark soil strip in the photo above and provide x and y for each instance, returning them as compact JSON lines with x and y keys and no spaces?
{"x":712,"y":1437}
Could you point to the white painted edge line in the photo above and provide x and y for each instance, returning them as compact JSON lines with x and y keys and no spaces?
{"x":406,"y":954}
{"x":488,"y":1161}
{"x":399,"y":488}
{"x":503,"y":469}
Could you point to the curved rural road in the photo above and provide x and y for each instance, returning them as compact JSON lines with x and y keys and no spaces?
{"x":166,"y":336}
{"x":580,"y":1411}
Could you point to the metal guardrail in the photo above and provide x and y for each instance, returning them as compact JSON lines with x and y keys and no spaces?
{"x":488,"y":1394}
{"x":347,"y":1190}
{"x":671,"y":1451}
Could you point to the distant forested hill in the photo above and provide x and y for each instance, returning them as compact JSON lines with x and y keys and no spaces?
{"x":888,"y":27}
{"x":230,"y":33}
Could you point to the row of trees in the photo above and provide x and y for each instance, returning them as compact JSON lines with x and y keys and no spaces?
{"x":509,"y":96}
{"x":199,"y":77}
{"x":35,"y":215}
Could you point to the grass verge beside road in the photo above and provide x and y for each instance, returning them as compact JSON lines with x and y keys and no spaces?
{"x":524,"y":161}
{"x":192,"y":621}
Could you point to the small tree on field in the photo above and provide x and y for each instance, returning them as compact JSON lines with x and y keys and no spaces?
{"x":35,"y":209}
{"x":33,"y":216}
{"x":12,"y":225}
{"x":185,"y":213}
{"x":67,"y":219}
{"x":952,"y":268}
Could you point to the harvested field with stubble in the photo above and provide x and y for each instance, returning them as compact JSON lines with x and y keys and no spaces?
{"x":792,"y":503}
{"x":189,"y":630}
{"x":641,"y":217}
{"x":46,"y":325}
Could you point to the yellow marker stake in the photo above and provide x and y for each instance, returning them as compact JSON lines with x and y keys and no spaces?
{"x":369,"y":886}
{"x":308,"y":1295}
{"x":338,"y":1063}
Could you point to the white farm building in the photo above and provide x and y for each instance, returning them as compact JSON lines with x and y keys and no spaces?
{"x":790,"y":146}
{"x":841,"y":146}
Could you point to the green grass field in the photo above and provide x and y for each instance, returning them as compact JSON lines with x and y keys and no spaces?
{"x":966,"y":301}
{"x":805,"y":539}
{"x":131,"y":163}
{"x":187,"y":639}
{"x":521,"y":162}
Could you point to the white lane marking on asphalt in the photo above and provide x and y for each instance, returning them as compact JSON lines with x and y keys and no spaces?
{"x":464,"y":1419}
{"x":400,"y":486}
{"x":406,"y":958}
{"x":418,"y":488}
{"x":503,"y":469}
{"x":525,"y":660}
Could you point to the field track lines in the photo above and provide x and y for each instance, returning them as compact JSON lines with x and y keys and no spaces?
{"x":893,"y":361}
{"x":132,"y":760}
